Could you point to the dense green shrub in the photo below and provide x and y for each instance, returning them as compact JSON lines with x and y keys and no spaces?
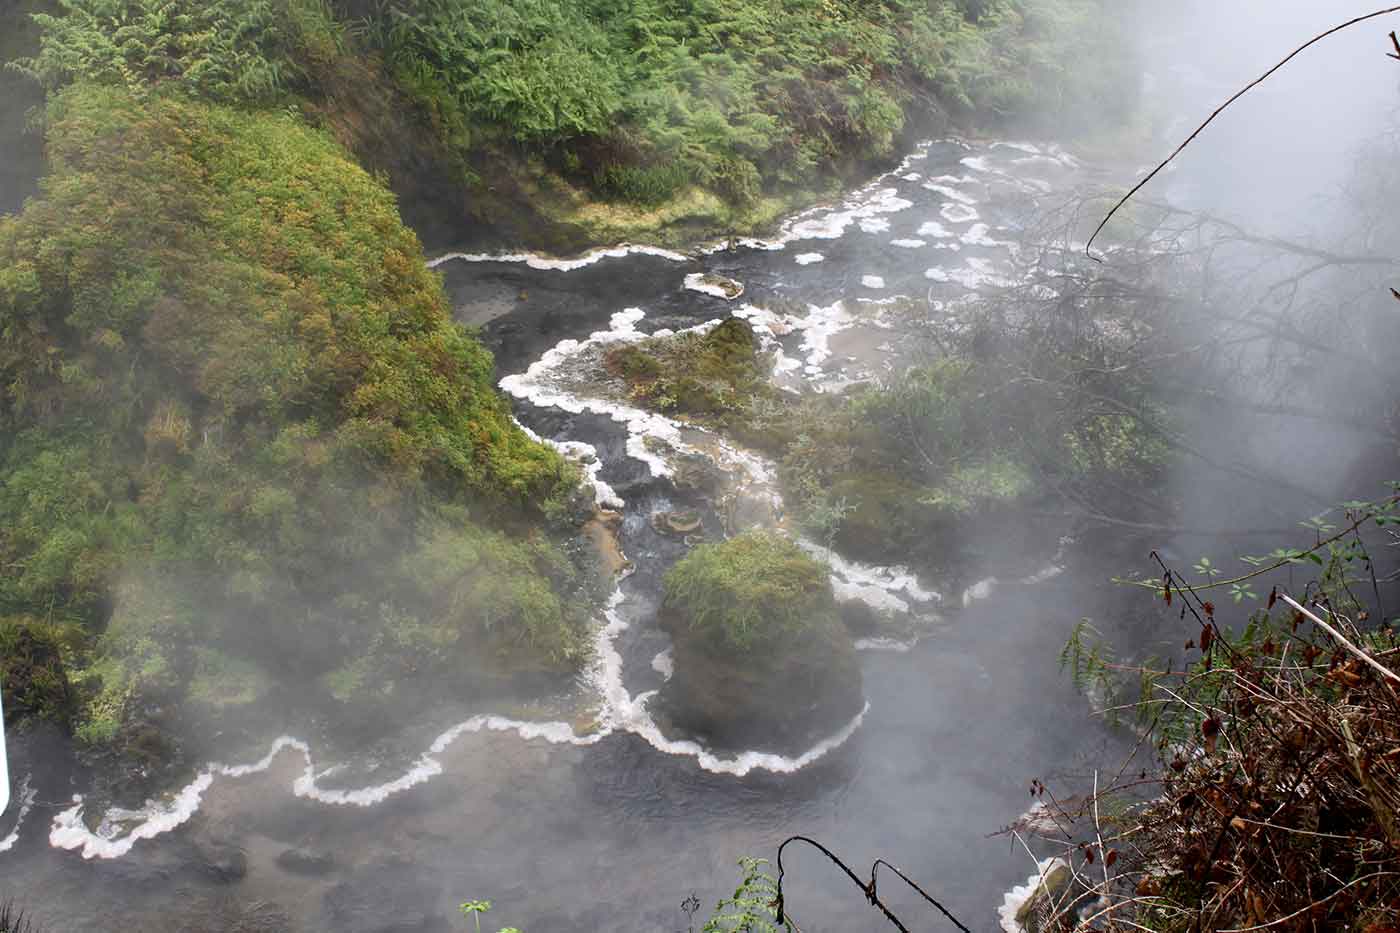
{"x":226,"y":50}
{"x":713,"y":376}
{"x":881,"y":467}
{"x":751,"y":592}
{"x":32,"y":670}
{"x":236,"y":414}
{"x":740,"y":96}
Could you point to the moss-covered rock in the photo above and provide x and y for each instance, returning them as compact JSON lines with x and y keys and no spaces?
{"x":761,"y":656}
{"x":711,"y":377}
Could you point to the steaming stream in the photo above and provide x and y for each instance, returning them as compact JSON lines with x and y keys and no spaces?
{"x":935,"y":762}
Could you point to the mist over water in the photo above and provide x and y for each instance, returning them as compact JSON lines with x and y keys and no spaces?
{"x":584,"y":817}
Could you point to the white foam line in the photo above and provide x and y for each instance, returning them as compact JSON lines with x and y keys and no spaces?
{"x":704,"y":283}
{"x":807,"y":259}
{"x":979,"y":590}
{"x":624,"y":712}
{"x":956,"y":213}
{"x":983,"y":588}
{"x":551,"y":263}
{"x":907,"y":244}
{"x":585,"y":455}
{"x":160,"y":817}
{"x":872,"y":281}
{"x":820,"y":325}
{"x":951,"y":194}
{"x":979,"y":234}
{"x":888,"y":645}
{"x":1016,"y":898}
{"x":1028,"y":148}
{"x":971,"y":276}
{"x":863,"y":206}
{"x":536,"y":385}
{"x":888,"y":590}
{"x":26,"y":803}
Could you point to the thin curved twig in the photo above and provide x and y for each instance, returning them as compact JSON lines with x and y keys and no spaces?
{"x":1221,"y":109}
{"x":867,"y":888}
{"x":874,"y":870}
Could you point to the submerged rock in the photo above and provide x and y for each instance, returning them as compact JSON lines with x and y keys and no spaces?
{"x":222,"y":861}
{"x":392,"y":897}
{"x":218,"y":852}
{"x":761,"y":658}
{"x":680,"y":522}
{"x":306,"y":861}
{"x":717,"y":285}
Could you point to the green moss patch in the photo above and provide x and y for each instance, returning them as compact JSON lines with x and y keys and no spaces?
{"x":713,"y":377}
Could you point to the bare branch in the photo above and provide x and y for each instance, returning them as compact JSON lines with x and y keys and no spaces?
{"x":1221,"y":109}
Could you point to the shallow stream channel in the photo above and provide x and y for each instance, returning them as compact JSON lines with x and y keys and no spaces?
{"x":579,"y":813}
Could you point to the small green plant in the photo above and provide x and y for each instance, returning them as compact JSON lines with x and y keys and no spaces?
{"x":751,"y":908}
{"x":474,"y":909}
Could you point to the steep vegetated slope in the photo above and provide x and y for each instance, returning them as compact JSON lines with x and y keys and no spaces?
{"x":712,"y":116}
{"x":242,"y":438}
{"x":578,"y":122}
{"x":243,"y":444}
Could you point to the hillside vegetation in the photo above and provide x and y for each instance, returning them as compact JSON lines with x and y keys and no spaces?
{"x":241,"y":432}
{"x":650,"y":102}
{"x":572,"y":122}
{"x":638,"y":99}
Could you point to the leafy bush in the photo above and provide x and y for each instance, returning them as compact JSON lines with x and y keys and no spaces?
{"x":714,"y":376}
{"x":739,"y":96}
{"x":1276,"y":790}
{"x":32,"y":670}
{"x":750,"y":908}
{"x":751,"y":592}
{"x":226,"y":50}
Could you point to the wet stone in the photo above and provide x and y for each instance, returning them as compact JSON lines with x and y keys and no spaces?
{"x":306,"y":861}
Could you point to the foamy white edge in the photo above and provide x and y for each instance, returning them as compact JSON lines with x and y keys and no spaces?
{"x":696,"y":282}
{"x":621,"y":712}
{"x":550,"y":263}
{"x":1016,"y":898}
{"x":26,"y":803}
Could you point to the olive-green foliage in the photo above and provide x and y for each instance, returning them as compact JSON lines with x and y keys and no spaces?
{"x":750,"y":908}
{"x":226,"y":50}
{"x":233,"y":401}
{"x":714,"y":376}
{"x":32,"y":672}
{"x":751,"y":592}
{"x":646,"y":96}
{"x":942,"y":440}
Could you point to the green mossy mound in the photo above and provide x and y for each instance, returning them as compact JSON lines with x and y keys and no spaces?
{"x":761,"y":656}
{"x":713,"y":377}
{"x":236,"y":416}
